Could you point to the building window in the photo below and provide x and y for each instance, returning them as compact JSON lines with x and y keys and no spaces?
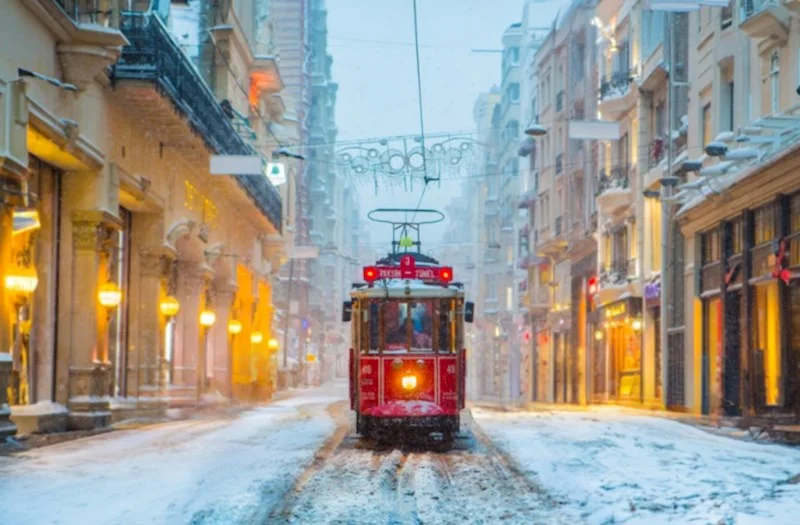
{"x":726,"y":16}
{"x":774,"y":81}
{"x":766,"y":341}
{"x":727,"y":115}
{"x":711,"y":247}
{"x":712,"y":340}
{"x":764,"y":225}
{"x":737,"y":237}
{"x":706,"y":122}
{"x":513,"y":92}
{"x":509,"y":298}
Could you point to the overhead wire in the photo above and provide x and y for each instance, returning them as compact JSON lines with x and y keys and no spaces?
{"x":421,"y":112}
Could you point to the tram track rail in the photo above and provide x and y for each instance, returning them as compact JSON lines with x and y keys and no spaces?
{"x":353,"y":481}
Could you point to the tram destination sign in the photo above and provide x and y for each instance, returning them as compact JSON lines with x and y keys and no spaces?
{"x":426,"y":273}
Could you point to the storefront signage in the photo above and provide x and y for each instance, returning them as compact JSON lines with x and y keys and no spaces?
{"x":616,"y":310}
{"x":652,"y":295}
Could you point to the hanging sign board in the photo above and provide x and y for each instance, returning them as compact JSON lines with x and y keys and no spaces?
{"x":276,"y":173}
{"x":236,"y":165}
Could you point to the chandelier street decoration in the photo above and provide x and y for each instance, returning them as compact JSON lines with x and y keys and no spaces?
{"x":399,"y":161}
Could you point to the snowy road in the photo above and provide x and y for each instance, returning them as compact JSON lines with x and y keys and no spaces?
{"x":363,"y":483}
{"x":297,"y":461}
{"x":614,"y":467}
{"x":206,"y":471}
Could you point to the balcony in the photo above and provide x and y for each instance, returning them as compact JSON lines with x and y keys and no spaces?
{"x":765,"y":19}
{"x":552,"y":243}
{"x":614,"y":190}
{"x":616,"y":95}
{"x":162,"y":86}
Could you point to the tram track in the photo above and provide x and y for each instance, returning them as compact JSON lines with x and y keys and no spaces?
{"x":355,"y":481}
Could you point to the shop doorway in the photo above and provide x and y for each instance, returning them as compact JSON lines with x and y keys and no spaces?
{"x":731,"y":404}
{"x":712,"y":355}
{"x":626,"y":363}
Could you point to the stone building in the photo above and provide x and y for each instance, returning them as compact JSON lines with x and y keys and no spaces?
{"x":133,"y":279}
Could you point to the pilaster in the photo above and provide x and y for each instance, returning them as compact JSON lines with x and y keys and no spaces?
{"x":89,"y":366}
{"x":188,"y":341}
{"x":219,"y":362}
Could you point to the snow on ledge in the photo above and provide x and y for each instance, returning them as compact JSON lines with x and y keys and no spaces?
{"x":42,"y":408}
{"x":5,"y":357}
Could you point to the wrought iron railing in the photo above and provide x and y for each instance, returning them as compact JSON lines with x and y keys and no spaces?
{"x":617,"y":178}
{"x":87,"y":11}
{"x":155,"y":57}
{"x":615,"y":85}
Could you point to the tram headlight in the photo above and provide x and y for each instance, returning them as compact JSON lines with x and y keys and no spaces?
{"x":409,"y":382}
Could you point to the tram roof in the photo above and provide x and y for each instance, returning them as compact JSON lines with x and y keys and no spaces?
{"x":396,"y":289}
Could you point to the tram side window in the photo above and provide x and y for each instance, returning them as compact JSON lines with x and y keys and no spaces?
{"x":395,"y":326}
{"x":444,"y":326}
{"x":422,"y":325}
{"x":374,"y":323}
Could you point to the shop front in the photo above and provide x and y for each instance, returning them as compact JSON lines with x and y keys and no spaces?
{"x":748,"y":284}
{"x":652,"y":321}
{"x":621,"y":334}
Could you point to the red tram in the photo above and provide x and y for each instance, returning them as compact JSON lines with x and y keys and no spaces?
{"x":407,"y":361}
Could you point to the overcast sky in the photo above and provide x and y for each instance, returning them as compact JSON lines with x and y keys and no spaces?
{"x":372,"y":44}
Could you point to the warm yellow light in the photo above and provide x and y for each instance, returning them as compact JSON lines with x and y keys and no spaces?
{"x":637,"y":324}
{"x":598,"y":334}
{"x":256,"y":337}
{"x":234,"y":326}
{"x":272,"y":344}
{"x":22,"y":281}
{"x":109,"y":295}
{"x":207,"y":318}
{"x":409,"y":382}
{"x":169,"y":306}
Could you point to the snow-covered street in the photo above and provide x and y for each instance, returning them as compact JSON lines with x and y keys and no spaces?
{"x":298,"y":461}
{"x":612,"y":467}
{"x":215,"y":470}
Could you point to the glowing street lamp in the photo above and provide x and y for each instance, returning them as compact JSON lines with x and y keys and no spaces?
{"x":109,"y":296}
{"x":207,"y":318}
{"x":234,"y":326}
{"x":169,"y":307}
{"x":256,"y":337}
{"x":272,"y":344}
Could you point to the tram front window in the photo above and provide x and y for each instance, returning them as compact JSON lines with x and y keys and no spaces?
{"x":408,"y":325}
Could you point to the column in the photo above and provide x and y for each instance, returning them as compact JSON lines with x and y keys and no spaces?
{"x":145,"y":377}
{"x":219,"y":358}
{"x":188,"y":340}
{"x":89,"y":366}
{"x":7,"y":427}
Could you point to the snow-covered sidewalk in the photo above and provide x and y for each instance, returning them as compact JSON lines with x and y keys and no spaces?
{"x":614,"y":467}
{"x":218,"y":470}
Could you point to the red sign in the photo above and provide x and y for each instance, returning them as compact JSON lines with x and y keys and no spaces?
{"x":408,"y":270}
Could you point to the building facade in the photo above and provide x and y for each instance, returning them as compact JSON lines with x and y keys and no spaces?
{"x":739,"y":212}
{"x":134,"y":279}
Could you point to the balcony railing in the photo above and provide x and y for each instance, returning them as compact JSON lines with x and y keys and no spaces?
{"x":617,"y":178}
{"x":88,"y":11}
{"x":616,"y":85}
{"x":153,"y":56}
{"x":618,"y":272}
{"x":560,"y":100}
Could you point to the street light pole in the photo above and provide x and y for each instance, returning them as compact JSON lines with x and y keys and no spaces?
{"x":668,"y":182}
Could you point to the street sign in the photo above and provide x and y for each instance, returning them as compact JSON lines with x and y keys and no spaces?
{"x":276,"y":173}
{"x":236,"y":165}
